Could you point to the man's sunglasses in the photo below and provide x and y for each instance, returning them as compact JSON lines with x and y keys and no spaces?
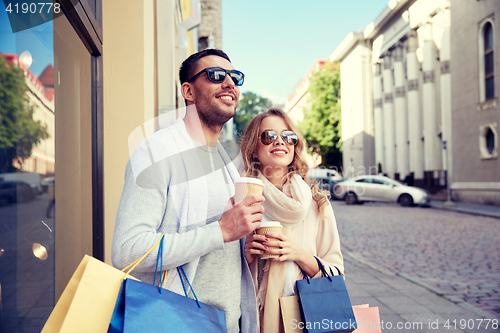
{"x":218,"y":75}
{"x":269,"y":136}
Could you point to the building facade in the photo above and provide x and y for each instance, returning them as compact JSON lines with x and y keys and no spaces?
{"x":298,"y":100}
{"x":475,"y":51}
{"x":396,"y":97}
{"x":415,"y":100}
{"x":297,"y":104}
{"x":41,"y":97}
{"x":210,"y":30}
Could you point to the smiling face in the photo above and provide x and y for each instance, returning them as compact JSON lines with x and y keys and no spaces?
{"x":215,"y":102}
{"x":278,"y":155}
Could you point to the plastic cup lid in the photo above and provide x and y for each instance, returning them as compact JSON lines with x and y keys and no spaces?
{"x":249,"y":180}
{"x":270,"y":224}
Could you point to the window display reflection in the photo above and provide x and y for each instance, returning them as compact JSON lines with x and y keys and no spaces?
{"x":27,"y":174}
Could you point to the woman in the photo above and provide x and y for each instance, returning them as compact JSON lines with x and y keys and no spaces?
{"x":273,"y":150}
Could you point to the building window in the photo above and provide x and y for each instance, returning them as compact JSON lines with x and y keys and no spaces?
{"x":202,"y":43}
{"x":489,"y":76}
{"x":488,"y":141}
{"x":486,"y":61}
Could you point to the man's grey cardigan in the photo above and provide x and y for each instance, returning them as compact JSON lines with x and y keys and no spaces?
{"x":165,"y":193}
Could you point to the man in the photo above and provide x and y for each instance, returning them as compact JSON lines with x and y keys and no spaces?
{"x":180,"y":182}
{"x":409,"y":180}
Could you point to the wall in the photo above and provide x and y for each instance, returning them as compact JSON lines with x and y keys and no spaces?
{"x":475,"y":179}
{"x":211,"y":22}
{"x":124,"y":97}
{"x":357,"y":123}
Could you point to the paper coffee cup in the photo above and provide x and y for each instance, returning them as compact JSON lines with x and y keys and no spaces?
{"x":270,"y":226}
{"x":246,"y":187}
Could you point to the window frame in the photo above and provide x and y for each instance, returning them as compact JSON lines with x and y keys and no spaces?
{"x":482,"y":54}
{"x":483,"y":145}
{"x":86,"y":19}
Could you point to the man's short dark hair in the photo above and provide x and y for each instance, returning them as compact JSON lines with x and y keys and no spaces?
{"x":188,"y":65}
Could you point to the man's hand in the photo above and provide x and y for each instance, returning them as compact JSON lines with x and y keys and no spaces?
{"x":241,"y":219}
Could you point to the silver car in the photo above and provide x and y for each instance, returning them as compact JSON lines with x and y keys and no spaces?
{"x":379,"y":188}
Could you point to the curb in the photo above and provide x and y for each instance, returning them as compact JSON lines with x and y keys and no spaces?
{"x":467,"y":211}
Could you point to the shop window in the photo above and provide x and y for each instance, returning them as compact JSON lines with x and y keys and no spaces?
{"x":488,"y":141}
{"x":47,"y":83}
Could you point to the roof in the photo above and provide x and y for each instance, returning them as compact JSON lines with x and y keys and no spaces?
{"x":38,"y":83}
{"x":47,"y":76}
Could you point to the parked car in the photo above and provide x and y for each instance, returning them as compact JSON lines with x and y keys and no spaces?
{"x":46,"y":182}
{"x":31,"y":178}
{"x":379,"y":188}
{"x":326,"y":183}
{"x":324,"y":173}
{"x":15,"y":191}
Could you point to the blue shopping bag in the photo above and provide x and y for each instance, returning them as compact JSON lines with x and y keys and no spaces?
{"x":324,"y":304}
{"x":142,"y":307}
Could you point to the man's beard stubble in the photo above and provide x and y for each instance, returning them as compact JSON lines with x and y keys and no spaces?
{"x":211,"y":115}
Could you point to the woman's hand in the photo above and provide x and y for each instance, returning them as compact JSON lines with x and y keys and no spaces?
{"x":288,"y":250}
{"x":254,"y":246}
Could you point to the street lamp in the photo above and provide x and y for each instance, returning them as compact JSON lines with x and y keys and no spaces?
{"x":448,"y":202}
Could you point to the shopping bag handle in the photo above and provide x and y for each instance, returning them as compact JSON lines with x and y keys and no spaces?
{"x":322,"y":268}
{"x":127,"y":270}
{"x":159,"y":258}
{"x":180,"y":270}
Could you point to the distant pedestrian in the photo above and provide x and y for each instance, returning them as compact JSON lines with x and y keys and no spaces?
{"x":52,"y":199}
{"x":409,"y":180}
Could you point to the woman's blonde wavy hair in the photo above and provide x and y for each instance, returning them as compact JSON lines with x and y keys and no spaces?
{"x":249,"y":144}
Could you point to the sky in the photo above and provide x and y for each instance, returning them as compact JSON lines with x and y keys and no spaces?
{"x":38,"y":41}
{"x":275,"y":42}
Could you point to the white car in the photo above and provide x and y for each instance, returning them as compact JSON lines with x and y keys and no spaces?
{"x":324,"y":173}
{"x":33,"y":179}
{"x":379,"y":188}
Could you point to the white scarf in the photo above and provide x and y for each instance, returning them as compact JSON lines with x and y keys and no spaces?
{"x":289,"y":207}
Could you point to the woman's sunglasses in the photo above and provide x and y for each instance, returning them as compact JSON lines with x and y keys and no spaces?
{"x":269,"y":136}
{"x":218,"y":75}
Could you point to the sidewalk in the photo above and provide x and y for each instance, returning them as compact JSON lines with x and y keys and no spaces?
{"x":469,"y":208}
{"x":408,"y":307}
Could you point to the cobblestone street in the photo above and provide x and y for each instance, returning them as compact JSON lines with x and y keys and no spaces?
{"x":453,"y":254}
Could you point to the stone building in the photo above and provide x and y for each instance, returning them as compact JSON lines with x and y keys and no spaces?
{"x":419,"y":95}
{"x":475,"y":50}
{"x":396,"y":97}
{"x":210,"y":29}
{"x":298,"y":99}
{"x":40,"y":95}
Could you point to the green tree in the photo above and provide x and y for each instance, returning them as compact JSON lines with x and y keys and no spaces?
{"x":18,"y":131}
{"x":321,"y":124}
{"x":249,"y":106}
